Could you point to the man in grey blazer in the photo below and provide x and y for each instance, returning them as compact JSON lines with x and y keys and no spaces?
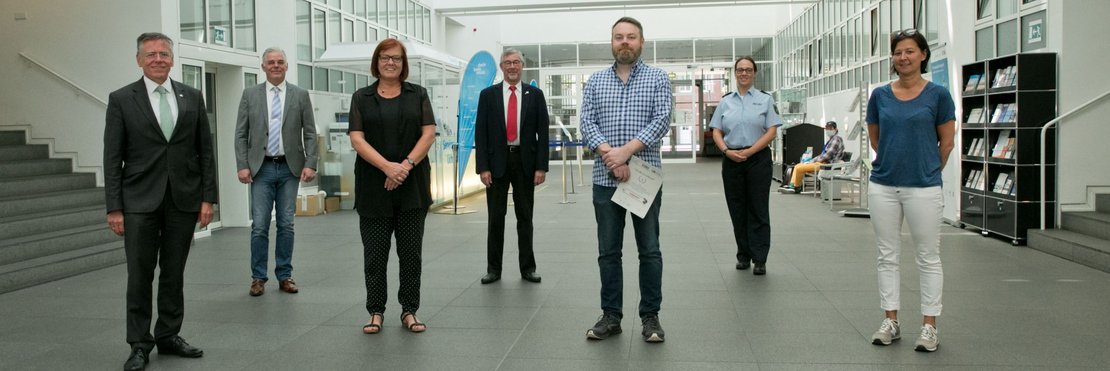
{"x":159,"y":183}
{"x":275,"y":146}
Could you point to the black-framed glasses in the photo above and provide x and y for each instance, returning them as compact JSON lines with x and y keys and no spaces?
{"x":909,"y":32}
{"x":513,"y":62}
{"x":390,"y":58}
{"x":745,"y":70}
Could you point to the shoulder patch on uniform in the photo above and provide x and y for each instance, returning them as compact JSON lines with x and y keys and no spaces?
{"x":763,"y":92}
{"x":728,"y":94}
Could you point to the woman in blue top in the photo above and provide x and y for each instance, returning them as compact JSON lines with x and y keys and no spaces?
{"x":911,"y":125}
{"x":743,"y":125}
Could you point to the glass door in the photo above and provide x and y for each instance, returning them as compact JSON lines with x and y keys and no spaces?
{"x":195,"y":77}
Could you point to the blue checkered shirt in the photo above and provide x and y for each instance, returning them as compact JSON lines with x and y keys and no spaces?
{"x":615,"y":113}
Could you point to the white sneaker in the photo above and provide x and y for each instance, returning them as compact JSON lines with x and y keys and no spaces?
{"x":888,"y":333}
{"x":928,"y":340}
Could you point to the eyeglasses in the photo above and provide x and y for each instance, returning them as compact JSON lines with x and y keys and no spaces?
{"x":512,"y":63}
{"x":390,"y":58}
{"x":909,"y":32}
{"x":745,"y":71}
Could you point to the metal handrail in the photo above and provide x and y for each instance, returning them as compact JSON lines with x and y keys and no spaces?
{"x":63,"y":78}
{"x":1044,"y":132}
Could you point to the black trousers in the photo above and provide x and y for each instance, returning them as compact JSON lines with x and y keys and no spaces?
{"x":497,"y":197}
{"x":160,"y":238}
{"x":747,"y":193}
{"x":408,"y":227}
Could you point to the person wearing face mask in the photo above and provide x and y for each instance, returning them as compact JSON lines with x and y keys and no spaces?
{"x":834,"y":148}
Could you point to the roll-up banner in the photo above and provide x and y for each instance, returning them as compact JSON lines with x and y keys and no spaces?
{"x":479,"y":75}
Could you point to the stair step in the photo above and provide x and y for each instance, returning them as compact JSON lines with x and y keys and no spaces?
{"x":13,"y":186}
{"x":1077,"y":247}
{"x":24,"y":152}
{"x":1090,"y":223}
{"x":27,"y":168}
{"x":15,"y":226}
{"x":12,"y":137}
{"x":57,"y":266}
{"x":1102,"y":202}
{"x":46,"y":201}
{"x":39,"y":245}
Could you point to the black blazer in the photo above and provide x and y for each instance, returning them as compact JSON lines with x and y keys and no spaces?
{"x":491,"y":145}
{"x":139,"y":161}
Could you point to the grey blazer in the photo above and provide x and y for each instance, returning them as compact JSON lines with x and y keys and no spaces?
{"x":298,"y":131}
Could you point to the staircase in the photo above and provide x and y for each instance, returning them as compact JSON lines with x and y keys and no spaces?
{"x":1084,"y":237}
{"x":52,"y":220}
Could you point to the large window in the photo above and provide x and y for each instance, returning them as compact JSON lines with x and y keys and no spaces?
{"x":320,"y":23}
{"x":219,"y":22}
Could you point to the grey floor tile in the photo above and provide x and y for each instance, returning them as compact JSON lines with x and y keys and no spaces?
{"x":571,"y":343}
{"x":549,"y":364}
{"x":1005,"y":307}
{"x":691,"y":345}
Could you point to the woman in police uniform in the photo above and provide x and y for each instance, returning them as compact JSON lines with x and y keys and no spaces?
{"x":743,"y":125}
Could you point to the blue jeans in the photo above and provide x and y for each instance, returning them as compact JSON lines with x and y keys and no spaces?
{"x":273,"y":185}
{"x":610,"y":241}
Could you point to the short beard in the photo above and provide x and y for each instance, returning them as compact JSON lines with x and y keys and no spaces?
{"x":627,"y":56}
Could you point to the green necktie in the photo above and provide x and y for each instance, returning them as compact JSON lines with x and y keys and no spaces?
{"x":165,"y":115}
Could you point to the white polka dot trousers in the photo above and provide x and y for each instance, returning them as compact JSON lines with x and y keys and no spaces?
{"x":408,"y":228}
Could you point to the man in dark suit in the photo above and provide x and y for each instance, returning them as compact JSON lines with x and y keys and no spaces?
{"x":511,"y":149}
{"x":275,"y":146}
{"x":159,"y":182}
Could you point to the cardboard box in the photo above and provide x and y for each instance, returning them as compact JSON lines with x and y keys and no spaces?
{"x":310,"y":205}
{"x":331,"y":204}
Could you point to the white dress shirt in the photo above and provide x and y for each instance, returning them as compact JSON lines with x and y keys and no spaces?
{"x":155,"y":98}
{"x":519,"y":102}
{"x":282,"y":88}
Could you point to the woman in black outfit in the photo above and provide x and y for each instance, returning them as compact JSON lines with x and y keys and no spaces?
{"x":392,"y":128}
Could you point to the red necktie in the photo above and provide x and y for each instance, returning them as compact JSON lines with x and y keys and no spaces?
{"x":510,"y":119}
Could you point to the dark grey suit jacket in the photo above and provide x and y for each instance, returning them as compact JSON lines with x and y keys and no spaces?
{"x":490,"y":142}
{"x":139,"y":161}
{"x":298,"y":130}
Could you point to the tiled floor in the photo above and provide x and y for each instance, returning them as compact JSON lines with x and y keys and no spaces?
{"x":1006,"y":307}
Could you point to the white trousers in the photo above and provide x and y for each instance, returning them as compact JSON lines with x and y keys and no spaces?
{"x":921,"y":208}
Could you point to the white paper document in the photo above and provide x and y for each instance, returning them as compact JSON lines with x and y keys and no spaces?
{"x":638,"y":193}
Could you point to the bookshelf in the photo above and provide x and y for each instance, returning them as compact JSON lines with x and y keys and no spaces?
{"x":1005,"y":101}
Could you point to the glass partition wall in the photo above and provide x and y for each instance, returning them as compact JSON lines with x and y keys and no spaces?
{"x":700,"y":72}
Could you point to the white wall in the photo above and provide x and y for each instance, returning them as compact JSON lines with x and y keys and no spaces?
{"x":1080,"y":24}
{"x":90,"y":43}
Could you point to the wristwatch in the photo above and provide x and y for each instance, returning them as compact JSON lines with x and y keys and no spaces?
{"x":410,"y":161}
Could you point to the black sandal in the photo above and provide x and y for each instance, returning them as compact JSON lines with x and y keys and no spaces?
{"x":415,"y":322}
{"x":371,"y":327}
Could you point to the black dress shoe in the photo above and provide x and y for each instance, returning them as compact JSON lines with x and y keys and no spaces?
{"x":137,"y":360}
{"x":177,"y":346}
{"x":530,"y":277}
{"x":743,"y":265}
{"x":491,"y":278}
{"x":760,"y":269}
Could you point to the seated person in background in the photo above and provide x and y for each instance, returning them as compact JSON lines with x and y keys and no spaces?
{"x":834,"y":147}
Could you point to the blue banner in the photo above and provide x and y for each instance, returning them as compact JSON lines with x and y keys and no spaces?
{"x":939,"y":69}
{"x":479,"y":75}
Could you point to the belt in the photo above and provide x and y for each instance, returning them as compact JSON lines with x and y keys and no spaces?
{"x":514,"y":148}
{"x":741,"y":148}
{"x":279,"y":159}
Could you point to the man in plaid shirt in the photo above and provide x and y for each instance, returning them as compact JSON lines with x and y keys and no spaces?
{"x":626,"y":110}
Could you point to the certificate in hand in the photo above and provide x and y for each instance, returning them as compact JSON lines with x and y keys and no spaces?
{"x":638,"y":193}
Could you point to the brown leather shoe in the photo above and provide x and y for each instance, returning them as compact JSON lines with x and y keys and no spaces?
{"x":258,"y":287}
{"x":289,"y":286}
